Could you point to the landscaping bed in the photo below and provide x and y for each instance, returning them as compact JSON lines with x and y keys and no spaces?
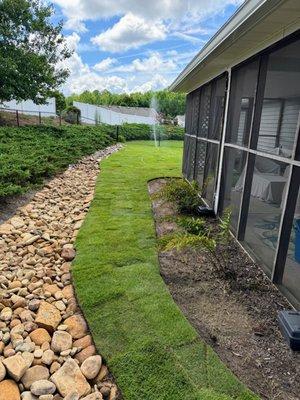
{"x":234,"y":310}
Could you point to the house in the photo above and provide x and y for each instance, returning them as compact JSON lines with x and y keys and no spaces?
{"x":242,"y":142}
{"x":116,"y":115}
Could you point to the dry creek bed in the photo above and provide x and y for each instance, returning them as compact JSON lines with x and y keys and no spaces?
{"x":235,"y":314}
{"x":46,"y":350}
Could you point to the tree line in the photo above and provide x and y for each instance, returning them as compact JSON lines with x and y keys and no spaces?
{"x":168,"y":103}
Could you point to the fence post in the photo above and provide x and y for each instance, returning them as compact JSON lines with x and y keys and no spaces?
{"x":40,"y":118}
{"x":17,"y":116}
{"x":117,"y":126}
{"x":77,"y":116}
{"x":60,"y":119}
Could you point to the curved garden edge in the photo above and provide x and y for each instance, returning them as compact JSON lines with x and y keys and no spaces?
{"x":152,"y":350}
{"x":45,"y":345}
{"x":233,"y":309}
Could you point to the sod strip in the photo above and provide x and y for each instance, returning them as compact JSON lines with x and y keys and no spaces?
{"x":152,"y":350}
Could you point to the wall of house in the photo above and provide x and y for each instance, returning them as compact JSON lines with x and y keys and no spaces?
{"x":254,"y":167}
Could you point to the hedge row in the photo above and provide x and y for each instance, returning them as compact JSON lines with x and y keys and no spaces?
{"x":146,"y":132}
{"x":30,"y":154}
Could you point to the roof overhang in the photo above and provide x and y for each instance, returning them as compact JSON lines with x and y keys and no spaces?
{"x":256,"y":25}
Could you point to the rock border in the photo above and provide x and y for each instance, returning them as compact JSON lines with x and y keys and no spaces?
{"x":46,"y":350}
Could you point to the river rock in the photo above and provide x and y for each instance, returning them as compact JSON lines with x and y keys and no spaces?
{"x":61,"y":341}
{"x":42,"y":387}
{"x":40,"y":336}
{"x":91,"y":366}
{"x":77,"y":326}
{"x":69,"y":378}
{"x":48,"y":317}
{"x":9,"y":390}
{"x":33,"y":374}
{"x":2,"y":371}
{"x":16,"y":366}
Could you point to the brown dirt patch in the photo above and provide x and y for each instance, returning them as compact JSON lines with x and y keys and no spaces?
{"x":235,"y":314}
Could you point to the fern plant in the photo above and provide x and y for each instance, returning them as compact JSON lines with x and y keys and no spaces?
{"x":216,"y":246}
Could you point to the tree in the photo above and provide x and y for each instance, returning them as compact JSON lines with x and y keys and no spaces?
{"x":31,"y":50}
{"x":60,"y":101}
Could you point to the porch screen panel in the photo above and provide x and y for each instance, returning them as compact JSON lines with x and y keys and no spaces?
{"x":200,"y":161}
{"x":217,"y":105}
{"x":266,"y":204}
{"x":280,"y":111}
{"x":192,"y":110}
{"x":205,"y":102}
{"x":234,"y":169}
{"x":291,"y":277}
{"x":210,"y":172}
{"x":241,"y":106}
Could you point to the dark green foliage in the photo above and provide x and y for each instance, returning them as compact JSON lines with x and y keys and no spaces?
{"x":169,"y":103}
{"x":184,"y":194}
{"x":145,"y":132}
{"x":30,"y":154}
{"x":31,"y":47}
{"x":60,"y":101}
{"x":193,"y":225}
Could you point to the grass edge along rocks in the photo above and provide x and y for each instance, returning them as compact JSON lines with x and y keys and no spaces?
{"x":151,"y":349}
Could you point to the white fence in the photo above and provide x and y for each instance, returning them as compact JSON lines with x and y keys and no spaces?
{"x":30,"y":108}
{"x":92,"y":114}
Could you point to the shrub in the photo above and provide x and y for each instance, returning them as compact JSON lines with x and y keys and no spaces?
{"x":184,"y":194}
{"x":145,"y":132}
{"x":30,"y":154}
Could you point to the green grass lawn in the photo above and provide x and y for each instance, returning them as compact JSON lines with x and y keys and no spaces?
{"x":152,"y":350}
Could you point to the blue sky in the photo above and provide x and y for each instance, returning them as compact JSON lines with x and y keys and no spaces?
{"x":135,"y":45}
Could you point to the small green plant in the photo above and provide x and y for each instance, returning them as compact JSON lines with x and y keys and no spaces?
{"x":184,"y":194}
{"x":198,"y":236}
{"x":193,"y":225}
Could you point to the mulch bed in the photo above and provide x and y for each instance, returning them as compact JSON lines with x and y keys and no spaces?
{"x":236,"y":312}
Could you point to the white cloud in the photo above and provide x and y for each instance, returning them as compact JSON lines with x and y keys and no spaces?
{"x":155,"y":9}
{"x":129,"y":32}
{"x":156,"y":83}
{"x":74,"y":24}
{"x":82,"y":77}
{"x":154,"y":63}
{"x":105,"y":64}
